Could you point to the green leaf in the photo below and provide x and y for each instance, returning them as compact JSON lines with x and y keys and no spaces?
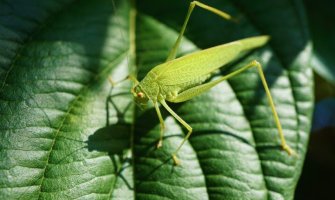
{"x":66,"y":133}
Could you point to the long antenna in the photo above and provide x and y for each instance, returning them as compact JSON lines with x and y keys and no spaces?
{"x":131,"y":51}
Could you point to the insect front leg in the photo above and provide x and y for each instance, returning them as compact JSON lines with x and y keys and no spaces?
{"x":173,"y":52}
{"x":129,"y":77}
{"x":188,"y":127}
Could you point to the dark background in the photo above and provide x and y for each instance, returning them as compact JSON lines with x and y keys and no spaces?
{"x":318,"y":175}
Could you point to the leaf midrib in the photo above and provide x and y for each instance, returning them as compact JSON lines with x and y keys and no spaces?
{"x":102,"y":74}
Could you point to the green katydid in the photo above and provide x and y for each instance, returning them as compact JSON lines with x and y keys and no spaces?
{"x":180,"y":79}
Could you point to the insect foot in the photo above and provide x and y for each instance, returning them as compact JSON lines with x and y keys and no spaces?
{"x":159,"y":144}
{"x":175,"y":159}
{"x":289,"y":151}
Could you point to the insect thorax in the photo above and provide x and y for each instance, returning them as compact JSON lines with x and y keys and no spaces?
{"x":149,"y":86}
{"x":156,"y":90}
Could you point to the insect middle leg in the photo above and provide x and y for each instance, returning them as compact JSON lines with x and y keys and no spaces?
{"x":188,"y":127}
{"x":173,"y":52}
{"x":162,"y":126}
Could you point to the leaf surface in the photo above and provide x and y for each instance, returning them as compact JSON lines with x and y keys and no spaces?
{"x":66,"y":133}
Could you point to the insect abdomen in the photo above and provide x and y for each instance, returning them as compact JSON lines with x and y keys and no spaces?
{"x":171,"y":91}
{"x":195,"y":82}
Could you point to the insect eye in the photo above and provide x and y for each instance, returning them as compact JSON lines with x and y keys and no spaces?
{"x":140,"y":94}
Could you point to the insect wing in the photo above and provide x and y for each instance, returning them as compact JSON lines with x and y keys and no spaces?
{"x":193,"y":66}
{"x":198,"y":64}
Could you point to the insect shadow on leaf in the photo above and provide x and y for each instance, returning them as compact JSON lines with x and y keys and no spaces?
{"x":114,"y":137}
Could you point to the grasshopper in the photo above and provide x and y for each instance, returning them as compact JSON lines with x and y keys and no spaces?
{"x":181,"y":79}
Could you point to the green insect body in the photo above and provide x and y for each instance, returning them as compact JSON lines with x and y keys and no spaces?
{"x":170,"y":80}
{"x":180,"y":79}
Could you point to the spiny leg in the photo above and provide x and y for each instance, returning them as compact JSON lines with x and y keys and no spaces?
{"x":173,"y":52}
{"x":269,"y":97}
{"x":162,"y":126}
{"x":188,"y":127}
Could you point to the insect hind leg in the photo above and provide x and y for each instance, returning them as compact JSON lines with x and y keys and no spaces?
{"x":173,"y":52}
{"x":273,"y":109}
{"x":269,"y":97}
